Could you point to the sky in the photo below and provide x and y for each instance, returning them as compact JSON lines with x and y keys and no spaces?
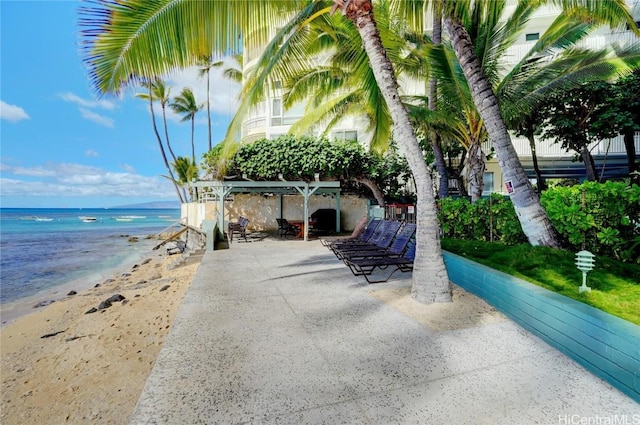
{"x":62,"y":145}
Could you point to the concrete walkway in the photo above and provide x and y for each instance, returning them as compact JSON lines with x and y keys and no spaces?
{"x":280,"y":332}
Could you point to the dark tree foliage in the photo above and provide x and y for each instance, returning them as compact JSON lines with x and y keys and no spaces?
{"x":583,"y":115}
{"x":627,"y":95}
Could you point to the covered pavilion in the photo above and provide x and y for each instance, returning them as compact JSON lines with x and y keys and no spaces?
{"x":217,"y":191}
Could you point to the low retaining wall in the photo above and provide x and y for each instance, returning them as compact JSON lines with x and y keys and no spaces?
{"x":606,"y":345}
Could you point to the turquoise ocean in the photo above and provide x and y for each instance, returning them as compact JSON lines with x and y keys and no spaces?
{"x":41,"y":249}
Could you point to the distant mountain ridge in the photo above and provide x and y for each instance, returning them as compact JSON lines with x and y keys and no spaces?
{"x":157,"y":205}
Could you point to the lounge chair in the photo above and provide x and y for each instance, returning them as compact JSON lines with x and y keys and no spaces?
{"x":379,"y":241}
{"x":396,"y":249}
{"x":367,"y":240}
{"x":366,"y":266}
{"x":239,"y":228}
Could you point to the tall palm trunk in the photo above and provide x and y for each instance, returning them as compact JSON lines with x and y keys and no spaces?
{"x":629,"y":145}
{"x":533,"y":218}
{"x":542,"y":183}
{"x":193,"y":146}
{"x":166,"y":131}
{"x":209,"y":104}
{"x":589,"y":164}
{"x":161,"y":146}
{"x":430,"y":280}
{"x":475,"y":170}
{"x":443,"y":175}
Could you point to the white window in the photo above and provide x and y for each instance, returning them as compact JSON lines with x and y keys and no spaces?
{"x":532,"y":36}
{"x":345,"y":135}
{"x":279,"y":116}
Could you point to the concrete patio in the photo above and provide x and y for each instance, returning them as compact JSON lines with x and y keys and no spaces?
{"x":280,"y":332}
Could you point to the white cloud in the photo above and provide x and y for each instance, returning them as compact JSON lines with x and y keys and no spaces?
{"x":26,"y":171}
{"x":76,"y":180}
{"x":128,"y":168}
{"x":12,"y":113}
{"x":73,"y":98}
{"x":223,"y":92}
{"x":97,"y":118}
{"x":91,"y":153}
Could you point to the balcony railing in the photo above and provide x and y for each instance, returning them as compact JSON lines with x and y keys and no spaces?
{"x":515,"y":53}
{"x":547,"y":148}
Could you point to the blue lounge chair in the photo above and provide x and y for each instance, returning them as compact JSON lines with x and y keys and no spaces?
{"x":396,"y":249}
{"x":381,"y":240}
{"x":366,"y":266}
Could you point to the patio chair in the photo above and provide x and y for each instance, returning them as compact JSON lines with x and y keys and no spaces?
{"x":286,"y":229}
{"x":239,"y":228}
{"x":396,"y":249}
{"x":366,"y":266}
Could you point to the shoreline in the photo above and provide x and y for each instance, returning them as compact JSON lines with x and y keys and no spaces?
{"x":62,"y":364}
{"x":12,"y":310}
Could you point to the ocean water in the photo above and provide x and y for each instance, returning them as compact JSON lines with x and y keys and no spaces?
{"x":41,"y":249}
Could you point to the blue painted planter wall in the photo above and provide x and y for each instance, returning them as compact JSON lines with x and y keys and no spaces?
{"x":606,"y":345}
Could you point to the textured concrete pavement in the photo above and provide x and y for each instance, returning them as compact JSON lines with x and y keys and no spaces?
{"x":280,"y":332}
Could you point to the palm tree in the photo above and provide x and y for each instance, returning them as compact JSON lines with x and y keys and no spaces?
{"x":161,"y":93}
{"x":430,"y":281}
{"x":187,"y":171}
{"x":186,"y":105}
{"x":433,"y":105}
{"x":342,"y":85}
{"x":151,"y":96}
{"x":205,"y":70}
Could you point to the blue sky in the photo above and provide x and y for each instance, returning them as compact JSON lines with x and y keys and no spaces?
{"x":63,"y":146}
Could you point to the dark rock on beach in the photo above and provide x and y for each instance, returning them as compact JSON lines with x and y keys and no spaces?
{"x":44,"y":303}
{"x":91,"y":310}
{"x":104,"y":304}
{"x":109,"y":301}
{"x":165,"y":287}
{"x":72,"y":293}
{"x":115,"y":298}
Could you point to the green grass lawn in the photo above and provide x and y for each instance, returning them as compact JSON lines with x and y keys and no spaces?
{"x":615,"y":286}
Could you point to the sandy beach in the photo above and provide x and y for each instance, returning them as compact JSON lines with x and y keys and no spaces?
{"x":60,"y":365}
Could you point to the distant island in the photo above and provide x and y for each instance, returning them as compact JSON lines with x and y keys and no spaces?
{"x":158,"y":205}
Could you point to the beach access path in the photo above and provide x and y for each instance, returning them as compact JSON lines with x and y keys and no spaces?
{"x":280,"y":332}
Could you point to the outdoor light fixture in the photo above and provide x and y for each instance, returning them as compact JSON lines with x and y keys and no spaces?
{"x":585,"y":262}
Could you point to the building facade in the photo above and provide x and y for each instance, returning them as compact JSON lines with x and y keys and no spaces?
{"x":270,"y":119}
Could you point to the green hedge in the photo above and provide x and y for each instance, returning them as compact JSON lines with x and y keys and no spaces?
{"x":605,"y":217}
{"x":486,"y":220}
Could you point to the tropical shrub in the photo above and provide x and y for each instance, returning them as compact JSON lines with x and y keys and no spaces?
{"x":300,"y":158}
{"x":486,"y":219}
{"x":603,"y":218}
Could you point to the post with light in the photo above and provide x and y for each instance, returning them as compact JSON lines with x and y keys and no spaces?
{"x":585,"y":262}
